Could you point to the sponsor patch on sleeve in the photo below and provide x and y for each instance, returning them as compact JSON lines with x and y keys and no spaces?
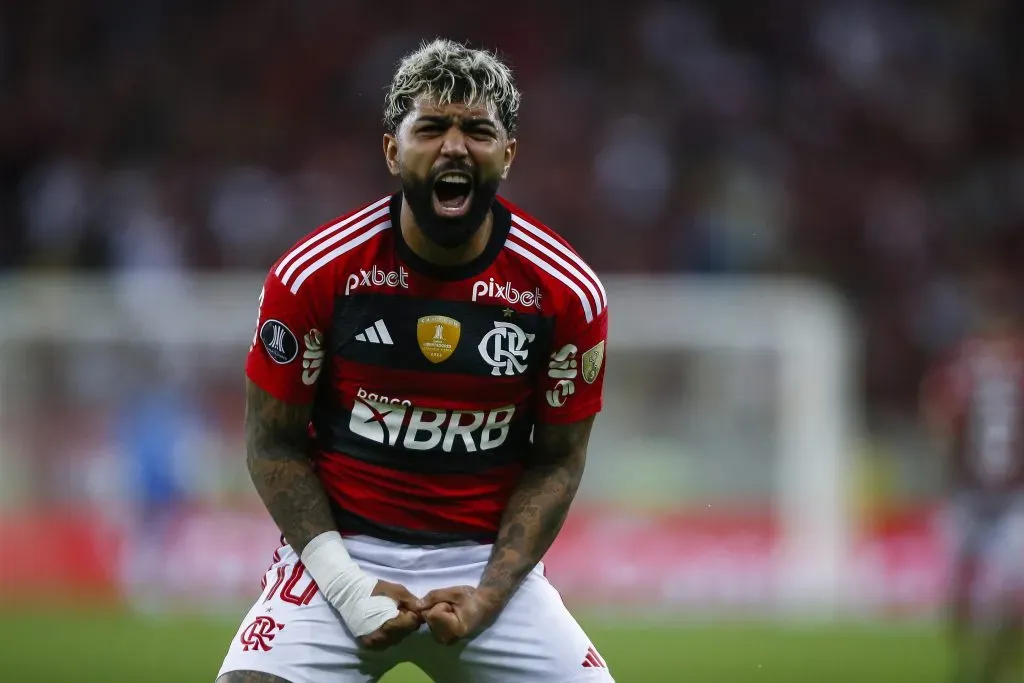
{"x":278,"y":340}
{"x":592,"y":361}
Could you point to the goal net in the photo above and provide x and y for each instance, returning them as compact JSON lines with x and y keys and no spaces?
{"x":717,"y":474}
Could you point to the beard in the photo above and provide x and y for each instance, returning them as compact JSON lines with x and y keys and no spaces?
{"x":449,"y":231}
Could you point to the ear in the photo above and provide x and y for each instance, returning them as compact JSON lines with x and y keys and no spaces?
{"x":391,"y":153}
{"x":510,"y":154}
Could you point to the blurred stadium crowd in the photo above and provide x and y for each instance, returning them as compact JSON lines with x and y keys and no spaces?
{"x":860,"y":142}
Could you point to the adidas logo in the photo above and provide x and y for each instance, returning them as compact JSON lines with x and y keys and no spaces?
{"x":593,"y":660}
{"x":376,"y":333}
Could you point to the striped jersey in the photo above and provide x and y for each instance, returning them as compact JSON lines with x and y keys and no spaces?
{"x":976,"y":395}
{"x":426,"y":381}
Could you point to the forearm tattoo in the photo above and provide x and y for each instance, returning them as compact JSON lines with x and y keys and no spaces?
{"x":276,"y":444}
{"x":538,"y":507}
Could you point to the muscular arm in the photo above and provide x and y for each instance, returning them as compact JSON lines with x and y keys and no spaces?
{"x":538,"y":507}
{"x":276,"y":440}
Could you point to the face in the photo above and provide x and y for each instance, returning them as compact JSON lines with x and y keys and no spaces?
{"x":451,"y":159}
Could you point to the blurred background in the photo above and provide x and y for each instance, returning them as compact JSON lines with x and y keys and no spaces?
{"x":781,"y":198}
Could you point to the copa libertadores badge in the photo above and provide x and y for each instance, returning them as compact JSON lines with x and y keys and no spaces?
{"x":591,"y":362}
{"x":278,"y":340}
{"x":438,"y":335}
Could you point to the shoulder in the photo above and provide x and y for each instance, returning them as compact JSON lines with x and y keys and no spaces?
{"x":332,"y":245}
{"x":572,"y":286}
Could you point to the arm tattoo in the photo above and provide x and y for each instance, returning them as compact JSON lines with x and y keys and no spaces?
{"x":538,"y":506}
{"x":276,"y":442}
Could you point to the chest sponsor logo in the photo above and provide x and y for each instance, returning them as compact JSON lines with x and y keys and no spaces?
{"x":312,"y":357}
{"x":374,"y":397}
{"x":377,"y":277}
{"x":279,"y":342}
{"x":995,"y":420}
{"x":506,"y":349}
{"x":495,"y":291}
{"x":438,"y":335}
{"x":395,"y":422}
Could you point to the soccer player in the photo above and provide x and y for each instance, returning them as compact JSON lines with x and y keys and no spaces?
{"x":974,"y":402}
{"x":420,"y":394}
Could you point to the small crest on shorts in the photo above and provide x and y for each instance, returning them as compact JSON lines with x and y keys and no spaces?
{"x":258,"y":635}
{"x":438,"y":335}
{"x":592,"y":361}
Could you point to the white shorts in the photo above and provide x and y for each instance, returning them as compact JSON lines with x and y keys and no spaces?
{"x":990,"y":532}
{"x":293,"y":633}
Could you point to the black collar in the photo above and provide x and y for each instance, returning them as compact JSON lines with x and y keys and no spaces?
{"x":500,"y":226}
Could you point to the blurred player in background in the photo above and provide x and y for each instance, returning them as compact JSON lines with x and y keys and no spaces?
{"x":974,"y":402}
{"x":421,"y":389}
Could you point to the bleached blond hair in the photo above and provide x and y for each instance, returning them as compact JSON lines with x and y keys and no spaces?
{"x":448,"y":72}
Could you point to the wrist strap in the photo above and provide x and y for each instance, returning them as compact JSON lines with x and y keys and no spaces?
{"x":345,"y":586}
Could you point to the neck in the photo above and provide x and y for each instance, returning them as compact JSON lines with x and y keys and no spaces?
{"x":443,"y":256}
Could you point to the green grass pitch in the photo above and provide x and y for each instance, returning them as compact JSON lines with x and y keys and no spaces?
{"x":104,"y":646}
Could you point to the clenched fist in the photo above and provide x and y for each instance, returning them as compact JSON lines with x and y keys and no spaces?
{"x":394,"y":630}
{"x":457,"y":613}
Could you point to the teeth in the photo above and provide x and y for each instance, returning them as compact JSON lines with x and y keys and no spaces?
{"x":458,"y":179}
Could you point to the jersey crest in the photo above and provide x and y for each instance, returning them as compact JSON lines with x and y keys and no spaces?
{"x":438,"y":336}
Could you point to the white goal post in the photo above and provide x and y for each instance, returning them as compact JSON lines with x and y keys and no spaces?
{"x":805,"y":325}
{"x":809,"y":327}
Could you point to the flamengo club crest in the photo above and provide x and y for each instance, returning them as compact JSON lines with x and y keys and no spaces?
{"x":438,"y":335}
{"x":505,"y":348}
{"x":259,"y":634}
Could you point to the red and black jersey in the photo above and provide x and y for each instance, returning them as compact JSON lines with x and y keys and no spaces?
{"x":976,"y":396}
{"x":426,"y":382}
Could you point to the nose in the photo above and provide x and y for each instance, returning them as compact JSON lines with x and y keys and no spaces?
{"x":454,"y":145}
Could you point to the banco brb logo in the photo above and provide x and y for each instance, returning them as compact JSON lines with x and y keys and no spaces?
{"x":505,"y":349}
{"x":396,"y":423}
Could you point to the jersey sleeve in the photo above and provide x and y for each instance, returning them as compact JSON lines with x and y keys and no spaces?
{"x":572,"y":384}
{"x":287,"y":350}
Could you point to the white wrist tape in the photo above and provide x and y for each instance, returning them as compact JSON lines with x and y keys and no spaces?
{"x":346,"y":586}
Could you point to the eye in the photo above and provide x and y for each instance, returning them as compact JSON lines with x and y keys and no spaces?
{"x":484,"y":134}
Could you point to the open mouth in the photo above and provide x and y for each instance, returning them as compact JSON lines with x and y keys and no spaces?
{"x":452,"y":194}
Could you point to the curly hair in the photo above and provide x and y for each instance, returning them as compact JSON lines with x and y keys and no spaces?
{"x":450,"y":72}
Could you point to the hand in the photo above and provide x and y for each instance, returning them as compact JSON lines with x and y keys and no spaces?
{"x":394,"y":630}
{"x":457,"y":613}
